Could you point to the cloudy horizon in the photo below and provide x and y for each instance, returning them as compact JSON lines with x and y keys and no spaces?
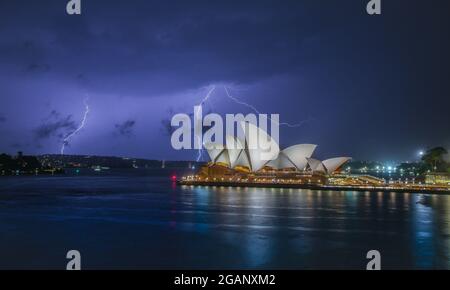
{"x":370,"y":87}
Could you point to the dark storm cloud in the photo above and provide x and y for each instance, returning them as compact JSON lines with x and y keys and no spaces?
{"x":37,"y":68}
{"x":174,"y":44}
{"x":167,"y":128}
{"x":54,"y":125}
{"x":18,"y":146}
{"x":125,"y":128}
{"x":366,"y":80}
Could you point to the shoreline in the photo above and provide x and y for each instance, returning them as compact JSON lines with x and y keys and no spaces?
{"x":315,"y":187}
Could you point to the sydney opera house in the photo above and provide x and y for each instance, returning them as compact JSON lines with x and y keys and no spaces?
{"x":241,"y":160}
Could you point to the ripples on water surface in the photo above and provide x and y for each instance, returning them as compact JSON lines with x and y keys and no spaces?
{"x":134,"y":221}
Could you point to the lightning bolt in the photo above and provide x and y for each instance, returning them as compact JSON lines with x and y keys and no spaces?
{"x":208,"y":95}
{"x":237,"y":101}
{"x":81,"y":126}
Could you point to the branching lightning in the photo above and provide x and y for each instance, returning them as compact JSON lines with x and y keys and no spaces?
{"x":237,"y":101}
{"x":256,"y":111}
{"x":81,"y":126}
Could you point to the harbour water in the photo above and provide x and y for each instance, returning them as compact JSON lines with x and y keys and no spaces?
{"x":140,"y":219}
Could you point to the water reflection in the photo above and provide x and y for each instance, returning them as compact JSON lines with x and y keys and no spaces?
{"x":305,"y":228}
{"x":423,"y":240}
{"x":146,"y":222}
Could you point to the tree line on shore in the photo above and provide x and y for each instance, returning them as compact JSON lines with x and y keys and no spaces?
{"x":436,"y":159}
{"x":433,"y":160}
{"x":21,"y":164}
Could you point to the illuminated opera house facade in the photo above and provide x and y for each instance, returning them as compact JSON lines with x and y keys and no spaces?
{"x":237,"y":162}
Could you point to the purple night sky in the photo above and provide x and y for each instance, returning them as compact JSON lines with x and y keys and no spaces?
{"x":370,"y":87}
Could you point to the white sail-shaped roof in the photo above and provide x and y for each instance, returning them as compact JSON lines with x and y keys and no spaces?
{"x":281,"y":162}
{"x":243,"y":160}
{"x":258,"y":155}
{"x":297,"y":154}
{"x":234,"y":147}
{"x":223,"y":158}
{"x":214,"y":150}
{"x":316,"y":165}
{"x":249,"y":153}
{"x":333,"y":164}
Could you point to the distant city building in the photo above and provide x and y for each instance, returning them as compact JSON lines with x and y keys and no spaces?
{"x":21,"y":164}
{"x":437,"y":178}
